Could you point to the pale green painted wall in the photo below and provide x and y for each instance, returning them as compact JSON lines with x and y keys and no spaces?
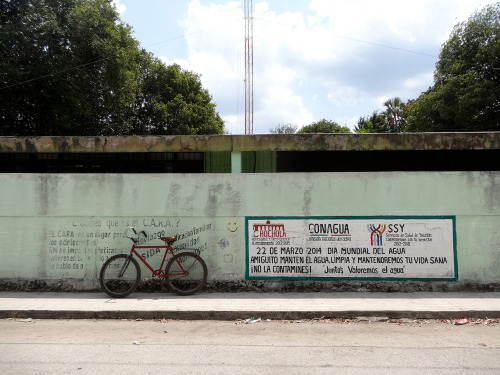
{"x":38,"y":211}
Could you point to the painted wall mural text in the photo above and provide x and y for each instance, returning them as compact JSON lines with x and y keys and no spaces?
{"x":346,"y":248}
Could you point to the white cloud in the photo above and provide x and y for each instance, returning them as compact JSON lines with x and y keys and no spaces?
{"x":341,"y":96}
{"x":328,"y":61}
{"x":120,"y":8}
{"x":217,"y":53}
{"x":213,"y":34}
{"x":280,"y":105}
{"x":416,"y":82}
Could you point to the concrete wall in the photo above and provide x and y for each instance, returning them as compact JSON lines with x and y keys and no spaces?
{"x":57,"y":230}
{"x":257,"y":142}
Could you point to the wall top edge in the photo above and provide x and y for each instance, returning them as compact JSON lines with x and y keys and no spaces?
{"x":256,"y":142}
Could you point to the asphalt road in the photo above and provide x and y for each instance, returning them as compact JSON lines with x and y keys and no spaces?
{"x":235,"y":347}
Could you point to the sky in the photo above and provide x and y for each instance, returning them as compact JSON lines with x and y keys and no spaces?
{"x":313,"y":59}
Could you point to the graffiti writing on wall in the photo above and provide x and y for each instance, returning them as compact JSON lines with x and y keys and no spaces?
{"x":77,"y":248}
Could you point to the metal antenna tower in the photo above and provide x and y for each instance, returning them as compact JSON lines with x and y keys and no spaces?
{"x":248,"y":9}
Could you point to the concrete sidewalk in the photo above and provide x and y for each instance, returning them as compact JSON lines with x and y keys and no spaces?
{"x":229,"y":306}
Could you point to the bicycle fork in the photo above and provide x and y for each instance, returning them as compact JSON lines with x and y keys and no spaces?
{"x":125,"y":266}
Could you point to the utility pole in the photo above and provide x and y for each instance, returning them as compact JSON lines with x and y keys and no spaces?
{"x":248,"y":9}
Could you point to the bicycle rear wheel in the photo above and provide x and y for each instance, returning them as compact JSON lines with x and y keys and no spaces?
{"x":187,"y":273}
{"x":120,"y":276}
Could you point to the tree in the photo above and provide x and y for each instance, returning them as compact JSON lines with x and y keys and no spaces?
{"x":324,"y":126}
{"x":71,"y":67}
{"x":67,"y":68}
{"x":173,"y":101}
{"x":391,"y":120}
{"x":376,"y":123}
{"x":466,"y":91}
{"x":284,"y":129}
{"x":394,"y":115}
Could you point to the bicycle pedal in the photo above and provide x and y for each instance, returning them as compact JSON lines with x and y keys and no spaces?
{"x":157,"y":276}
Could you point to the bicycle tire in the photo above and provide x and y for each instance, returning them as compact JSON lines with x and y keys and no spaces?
{"x":120,"y":286}
{"x":192,"y":280}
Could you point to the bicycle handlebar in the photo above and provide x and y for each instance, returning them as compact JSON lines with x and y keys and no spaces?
{"x":135,"y":232}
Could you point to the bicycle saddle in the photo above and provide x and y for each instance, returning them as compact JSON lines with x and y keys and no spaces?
{"x":168,"y":239}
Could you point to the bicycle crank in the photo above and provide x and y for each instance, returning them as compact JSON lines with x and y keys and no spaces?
{"x":157,"y":274}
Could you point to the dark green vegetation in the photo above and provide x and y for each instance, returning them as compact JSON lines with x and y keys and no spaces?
{"x":71,"y":67}
{"x":391,"y":120}
{"x":324,"y":126}
{"x":466,"y":91}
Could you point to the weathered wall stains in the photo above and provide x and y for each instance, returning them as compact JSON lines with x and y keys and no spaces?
{"x":261,"y":142}
{"x":59,"y":229}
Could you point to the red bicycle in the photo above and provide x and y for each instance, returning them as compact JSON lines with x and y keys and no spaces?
{"x":185,"y":273}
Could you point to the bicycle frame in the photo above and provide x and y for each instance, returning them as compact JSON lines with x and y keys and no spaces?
{"x":185,"y":273}
{"x":168,"y":249}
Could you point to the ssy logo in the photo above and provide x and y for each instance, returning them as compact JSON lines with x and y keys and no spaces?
{"x":376,"y":233}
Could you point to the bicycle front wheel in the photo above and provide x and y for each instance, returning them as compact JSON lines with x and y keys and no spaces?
{"x":187,"y":273}
{"x":120,"y":276}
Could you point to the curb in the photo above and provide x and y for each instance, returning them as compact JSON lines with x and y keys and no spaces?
{"x":234,"y":315}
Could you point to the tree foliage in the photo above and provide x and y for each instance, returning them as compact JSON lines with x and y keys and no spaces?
{"x":324,"y":126}
{"x":391,"y":120}
{"x":395,"y":115}
{"x":284,"y":129}
{"x":466,"y":91}
{"x":71,"y":67}
{"x":173,"y":101}
{"x":374,"y":124}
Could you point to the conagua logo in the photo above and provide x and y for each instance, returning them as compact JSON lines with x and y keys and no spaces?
{"x":376,"y":233}
{"x":269,"y":230}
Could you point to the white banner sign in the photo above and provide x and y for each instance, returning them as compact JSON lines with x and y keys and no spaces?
{"x":351,"y":248}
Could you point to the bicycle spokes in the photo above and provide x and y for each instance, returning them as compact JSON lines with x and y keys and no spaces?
{"x":120,"y":276}
{"x":187,"y":273}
